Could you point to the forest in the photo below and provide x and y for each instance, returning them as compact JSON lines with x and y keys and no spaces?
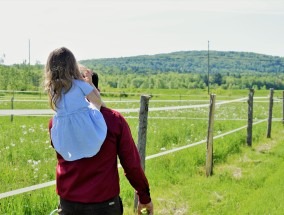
{"x":176,"y":70}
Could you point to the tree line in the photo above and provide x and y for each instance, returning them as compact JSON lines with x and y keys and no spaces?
{"x":186,"y":70}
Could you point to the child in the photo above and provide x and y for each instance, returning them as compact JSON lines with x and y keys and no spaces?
{"x":78,"y":130}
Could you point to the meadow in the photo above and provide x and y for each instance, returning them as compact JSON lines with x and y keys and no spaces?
{"x":243,"y":176}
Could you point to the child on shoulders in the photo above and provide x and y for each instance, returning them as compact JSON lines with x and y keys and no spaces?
{"x":79,"y":129}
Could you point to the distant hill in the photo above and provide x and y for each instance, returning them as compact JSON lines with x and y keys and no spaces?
{"x":191,"y":62}
{"x":177,"y":70}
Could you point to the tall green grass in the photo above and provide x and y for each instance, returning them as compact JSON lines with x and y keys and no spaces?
{"x":177,"y":180}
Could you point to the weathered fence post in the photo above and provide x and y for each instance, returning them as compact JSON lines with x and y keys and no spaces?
{"x":12,"y":103}
{"x":12,"y":107}
{"x":142,"y":135}
{"x":270,"y":113}
{"x":250,"y":117}
{"x":209,"y":151}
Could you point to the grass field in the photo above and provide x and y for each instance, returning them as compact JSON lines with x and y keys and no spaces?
{"x":246,"y":180}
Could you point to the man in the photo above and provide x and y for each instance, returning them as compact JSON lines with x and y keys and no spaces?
{"x":90,"y":186}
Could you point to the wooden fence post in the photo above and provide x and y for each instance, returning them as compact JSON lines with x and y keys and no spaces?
{"x":270,"y":113}
{"x":209,"y":151}
{"x":142,"y":135}
{"x":12,"y":107}
{"x":250,"y":117}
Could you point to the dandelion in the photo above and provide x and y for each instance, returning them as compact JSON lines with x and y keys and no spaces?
{"x":42,"y":127}
{"x":32,"y":130}
{"x":36,"y":162}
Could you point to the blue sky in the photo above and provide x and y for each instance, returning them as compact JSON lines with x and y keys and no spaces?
{"x":117,"y":28}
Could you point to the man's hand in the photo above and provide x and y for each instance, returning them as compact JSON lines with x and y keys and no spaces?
{"x":149,"y":208}
{"x":87,"y":75}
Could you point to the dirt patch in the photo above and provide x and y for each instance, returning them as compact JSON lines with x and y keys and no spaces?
{"x":237,"y":173}
{"x":265,"y":147}
{"x":171,"y":208}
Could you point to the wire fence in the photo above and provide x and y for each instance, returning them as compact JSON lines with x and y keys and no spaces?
{"x":49,"y":112}
{"x":50,"y":183}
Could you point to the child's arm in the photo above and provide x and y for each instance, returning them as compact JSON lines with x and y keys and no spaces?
{"x":95,"y":98}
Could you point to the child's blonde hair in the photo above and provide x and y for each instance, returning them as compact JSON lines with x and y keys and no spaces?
{"x":61,"y":68}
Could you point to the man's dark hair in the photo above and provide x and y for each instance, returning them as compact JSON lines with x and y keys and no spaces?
{"x":95,"y":79}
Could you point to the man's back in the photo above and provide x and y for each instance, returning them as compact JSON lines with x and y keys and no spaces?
{"x":96,"y":179}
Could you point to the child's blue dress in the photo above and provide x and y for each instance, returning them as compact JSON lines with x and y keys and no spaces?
{"x":77,"y":131}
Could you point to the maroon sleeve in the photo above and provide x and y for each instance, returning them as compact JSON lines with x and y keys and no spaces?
{"x":50,"y":124}
{"x":130,"y":161}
